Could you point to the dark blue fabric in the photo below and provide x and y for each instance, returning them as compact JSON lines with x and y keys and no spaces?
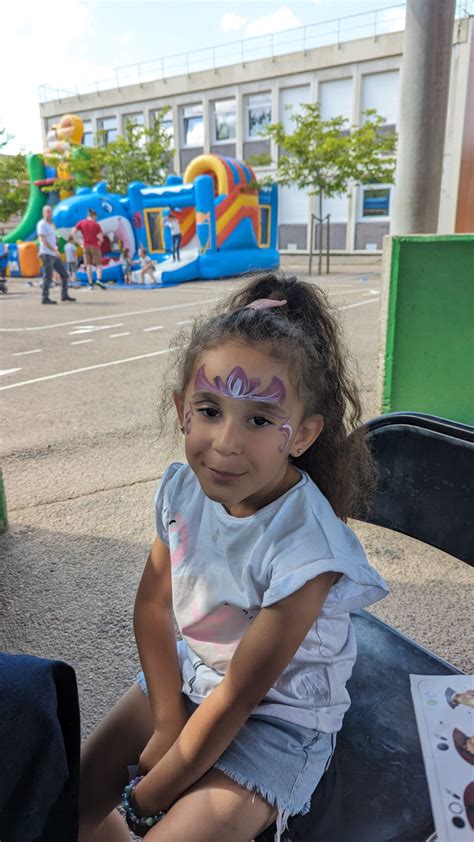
{"x":39,"y":754}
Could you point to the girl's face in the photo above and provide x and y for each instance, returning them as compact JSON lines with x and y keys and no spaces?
{"x":242,"y":422}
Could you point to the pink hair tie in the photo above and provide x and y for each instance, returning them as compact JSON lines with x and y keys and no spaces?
{"x":265,"y":304}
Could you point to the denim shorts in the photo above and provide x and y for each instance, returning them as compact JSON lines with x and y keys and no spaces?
{"x":279,"y":760}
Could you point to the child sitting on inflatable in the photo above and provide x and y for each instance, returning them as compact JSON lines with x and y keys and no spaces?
{"x":147,"y":267}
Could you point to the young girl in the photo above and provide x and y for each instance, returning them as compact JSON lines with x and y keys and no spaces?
{"x":126,"y":266}
{"x":70,"y":250}
{"x":233,"y":726}
{"x":147,"y":267}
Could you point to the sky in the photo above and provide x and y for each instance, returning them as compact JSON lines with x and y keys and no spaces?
{"x":71,"y":43}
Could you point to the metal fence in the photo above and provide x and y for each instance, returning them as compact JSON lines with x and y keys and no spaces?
{"x":303,"y":38}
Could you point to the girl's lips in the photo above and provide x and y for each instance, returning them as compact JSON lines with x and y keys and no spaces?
{"x":223,"y":475}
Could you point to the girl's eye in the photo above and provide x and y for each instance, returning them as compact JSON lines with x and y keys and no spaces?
{"x":259,"y":421}
{"x":209,"y":411}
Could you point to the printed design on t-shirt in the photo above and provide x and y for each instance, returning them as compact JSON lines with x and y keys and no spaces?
{"x":196,"y":665}
{"x":178,"y":538}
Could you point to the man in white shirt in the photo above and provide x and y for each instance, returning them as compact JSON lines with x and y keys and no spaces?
{"x":49,"y":254}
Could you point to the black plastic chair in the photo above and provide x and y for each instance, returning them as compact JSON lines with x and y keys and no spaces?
{"x":375,"y":789}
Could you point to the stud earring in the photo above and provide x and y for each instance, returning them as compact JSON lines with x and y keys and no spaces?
{"x":182,"y":429}
{"x":299,"y":451}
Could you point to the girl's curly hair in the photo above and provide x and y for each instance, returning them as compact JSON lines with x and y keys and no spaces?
{"x":306,"y":336}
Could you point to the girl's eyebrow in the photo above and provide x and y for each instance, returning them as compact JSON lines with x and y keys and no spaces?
{"x":263,"y":406}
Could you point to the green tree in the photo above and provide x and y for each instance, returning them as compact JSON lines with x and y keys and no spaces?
{"x":14,"y":181}
{"x":141,"y":154}
{"x":327,"y":157}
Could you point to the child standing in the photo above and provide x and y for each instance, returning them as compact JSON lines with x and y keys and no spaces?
{"x":70,"y":250}
{"x":235,"y":724}
{"x":127,"y":266}
{"x":173,"y":224}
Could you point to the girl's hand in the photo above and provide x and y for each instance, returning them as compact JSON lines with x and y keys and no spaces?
{"x":161,"y":740}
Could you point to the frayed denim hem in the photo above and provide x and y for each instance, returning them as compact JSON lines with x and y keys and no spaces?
{"x":284,"y":813}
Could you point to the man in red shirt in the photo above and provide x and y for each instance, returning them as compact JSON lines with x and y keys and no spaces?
{"x":92,"y":238}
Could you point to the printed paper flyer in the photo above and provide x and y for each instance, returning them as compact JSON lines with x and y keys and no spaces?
{"x":444,"y":708}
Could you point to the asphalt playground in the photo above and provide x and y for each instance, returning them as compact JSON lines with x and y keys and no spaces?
{"x":81,"y":458}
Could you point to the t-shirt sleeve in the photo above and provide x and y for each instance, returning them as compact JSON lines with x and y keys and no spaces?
{"x":360,"y":585}
{"x":162,"y":502}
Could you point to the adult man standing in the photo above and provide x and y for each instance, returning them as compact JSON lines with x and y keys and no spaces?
{"x":49,"y":254}
{"x":93,"y":238}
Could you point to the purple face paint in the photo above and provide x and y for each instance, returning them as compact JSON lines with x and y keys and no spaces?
{"x":240,"y":387}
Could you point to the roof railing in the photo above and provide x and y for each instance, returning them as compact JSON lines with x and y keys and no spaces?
{"x":302,"y":38}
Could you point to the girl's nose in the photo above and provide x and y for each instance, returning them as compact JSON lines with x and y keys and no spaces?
{"x":227,"y":440}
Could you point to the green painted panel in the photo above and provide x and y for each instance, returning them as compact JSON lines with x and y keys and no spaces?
{"x":429,"y":359}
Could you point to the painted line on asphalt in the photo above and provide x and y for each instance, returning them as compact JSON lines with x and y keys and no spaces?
{"x":8,"y":371}
{"x":155,"y":327}
{"x":80,"y":370}
{"x":114,"y":316}
{"x":185,"y":322}
{"x":24,"y":353}
{"x":92,"y":328}
{"x":81,"y":341}
{"x":359,"y":304}
{"x":114,"y":335}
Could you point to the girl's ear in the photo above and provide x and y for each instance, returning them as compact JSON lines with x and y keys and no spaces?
{"x":308,"y":431}
{"x":179,"y":404}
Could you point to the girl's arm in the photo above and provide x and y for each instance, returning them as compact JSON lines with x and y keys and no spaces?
{"x":156,"y":641}
{"x":262,"y":655}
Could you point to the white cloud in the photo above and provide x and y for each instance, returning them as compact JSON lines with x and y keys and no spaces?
{"x":42,"y":45}
{"x":280,"y":20}
{"x":125,"y":39}
{"x":231,"y":23}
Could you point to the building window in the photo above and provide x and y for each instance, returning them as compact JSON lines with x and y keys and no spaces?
{"x":88,"y":135}
{"x":259,"y":113}
{"x":166,"y":124}
{"x":292,"y":101}
{"x":293,"y":206}
{"x":335,"y":99}
{"x":136,"y":119}
{"x":382,"y":91}
{"x":224,"y":120}
{"x":193,"y":125}
{"x":108,"y":128}
{"x":375,"y":202}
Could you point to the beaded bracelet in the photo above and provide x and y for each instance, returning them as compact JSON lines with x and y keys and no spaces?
{"x":139,"y":824}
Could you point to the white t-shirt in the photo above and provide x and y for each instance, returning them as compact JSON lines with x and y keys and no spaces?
{"x":173,"y":225}
{"x":45,"y":229}
{"x":225,"y":569}
{"x":71,"y":252}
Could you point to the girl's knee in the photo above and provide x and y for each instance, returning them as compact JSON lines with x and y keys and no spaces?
{"x":215,"y":808}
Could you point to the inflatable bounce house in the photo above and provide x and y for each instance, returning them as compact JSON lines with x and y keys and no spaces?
{"x":228,"y":222}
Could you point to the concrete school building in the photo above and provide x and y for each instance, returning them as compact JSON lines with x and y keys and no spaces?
{"x":222,"y":108}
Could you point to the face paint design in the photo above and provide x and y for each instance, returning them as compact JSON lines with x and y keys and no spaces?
{"x":187,"y":421}
{"x":241,"y":387}
{"x":287,"y":431}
